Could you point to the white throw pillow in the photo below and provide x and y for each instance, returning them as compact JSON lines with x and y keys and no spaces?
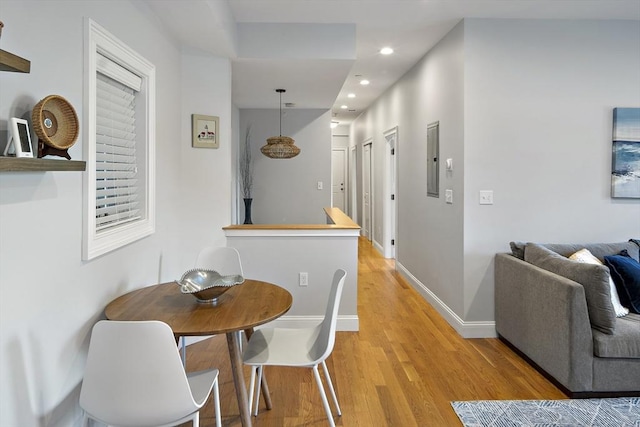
{"x":584,"y":256}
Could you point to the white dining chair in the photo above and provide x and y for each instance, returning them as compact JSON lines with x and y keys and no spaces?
{"x":226,"y":261}
{"x":134,"y":377}
{"x":303,"y":347}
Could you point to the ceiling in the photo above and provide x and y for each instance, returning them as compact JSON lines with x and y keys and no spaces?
{"x":320,"y":62}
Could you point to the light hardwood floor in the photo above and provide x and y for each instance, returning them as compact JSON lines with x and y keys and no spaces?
{"x":403,"y":368}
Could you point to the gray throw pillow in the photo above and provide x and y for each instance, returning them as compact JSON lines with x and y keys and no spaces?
{"x":599,"y":250}
{"x":593,"y":278}
{"x":517,"y":249}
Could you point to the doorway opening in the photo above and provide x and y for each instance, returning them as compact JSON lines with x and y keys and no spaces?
{"x":353,"y":184}
{"x":338,"y":178}
{"x":367,"y":190}
{"x":390,"y":233}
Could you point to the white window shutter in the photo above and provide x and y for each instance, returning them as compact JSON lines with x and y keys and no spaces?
{"x":117,"y":192}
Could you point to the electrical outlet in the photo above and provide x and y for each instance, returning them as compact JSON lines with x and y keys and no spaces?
{"x":303,"y":279}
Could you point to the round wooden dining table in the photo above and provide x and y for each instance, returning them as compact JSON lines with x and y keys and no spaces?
{"x":241,"y":308}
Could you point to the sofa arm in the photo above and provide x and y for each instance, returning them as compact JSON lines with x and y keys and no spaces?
{"x":545,"y":316}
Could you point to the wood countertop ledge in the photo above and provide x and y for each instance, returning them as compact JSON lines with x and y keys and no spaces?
{"x":335,"y":217}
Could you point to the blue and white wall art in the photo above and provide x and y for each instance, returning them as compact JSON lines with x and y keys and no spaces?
{"x":625,"y":169}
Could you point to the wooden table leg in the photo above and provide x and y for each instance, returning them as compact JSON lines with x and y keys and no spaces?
{"x":233,"y":342}
{"x":264,"y":385}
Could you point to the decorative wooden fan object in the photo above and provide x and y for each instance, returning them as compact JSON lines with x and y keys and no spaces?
{"x":56,"y":123}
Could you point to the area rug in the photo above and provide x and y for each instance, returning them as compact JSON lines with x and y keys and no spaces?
{"x":618,"y":412}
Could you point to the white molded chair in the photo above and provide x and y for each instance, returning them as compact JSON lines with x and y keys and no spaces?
{"x":225,"y":261}
{"x":307,"y":347}
{"x":134,"y":377}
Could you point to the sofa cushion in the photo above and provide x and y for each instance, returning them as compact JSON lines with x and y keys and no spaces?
{"x":624,"y":343}
{"x":600,"y":250}
{"x":583,"y":255}
{"x":593,"y":278}
{"x":626,"y":275}
{"x":517,"y":249}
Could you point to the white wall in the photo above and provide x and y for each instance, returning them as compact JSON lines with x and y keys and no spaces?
{"x":430,"y":234}
{"x":49,"y":298}
{"x":317,"y":252}
{"x":539,"y":99}
{"x":206,"y":182}
{"x":285,"y":190}
{"x":525,"y":110}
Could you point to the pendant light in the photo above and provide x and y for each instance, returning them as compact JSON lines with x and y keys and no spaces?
{"x":280,"y":147}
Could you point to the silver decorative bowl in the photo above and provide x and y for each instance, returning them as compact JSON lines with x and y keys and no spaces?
{"x":207,"y":285}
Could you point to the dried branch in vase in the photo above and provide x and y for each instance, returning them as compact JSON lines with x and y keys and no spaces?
{"x":246,"y":166}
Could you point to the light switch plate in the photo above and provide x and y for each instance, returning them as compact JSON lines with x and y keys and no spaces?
{"x":486,"y":197}
{"x":448,"y":196}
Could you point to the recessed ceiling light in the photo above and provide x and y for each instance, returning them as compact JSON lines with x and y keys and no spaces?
{"x":364,"y":82}
{"x":344,"y":107}
{"x":386,"y":51}
{"x":351,"y":95}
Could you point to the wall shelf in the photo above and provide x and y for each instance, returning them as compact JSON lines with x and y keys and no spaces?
{"x":26,"y":164}
{"x":13,"y":63}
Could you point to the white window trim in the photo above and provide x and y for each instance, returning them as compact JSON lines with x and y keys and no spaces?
{"x":97,"y":39}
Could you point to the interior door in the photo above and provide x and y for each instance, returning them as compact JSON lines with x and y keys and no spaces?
{"x":391,"y":198}
{"x":338,"y":177}
{"x":353,"y":184}
{"x":366,"y":193}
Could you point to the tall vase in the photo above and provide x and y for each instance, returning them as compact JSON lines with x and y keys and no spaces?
{"x":247,"y":211}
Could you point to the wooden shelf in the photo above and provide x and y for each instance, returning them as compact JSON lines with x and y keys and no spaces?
{"x":25,"y":164}
{"x":13,"y":63}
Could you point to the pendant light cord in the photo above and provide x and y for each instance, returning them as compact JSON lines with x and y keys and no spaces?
{"x":280,"y":147}
{"x":280,"y":91}
{"x":280,"y":113}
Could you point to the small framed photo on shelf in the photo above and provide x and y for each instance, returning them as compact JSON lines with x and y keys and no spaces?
{"x":19,"y":144}
{"x":205,"y":131}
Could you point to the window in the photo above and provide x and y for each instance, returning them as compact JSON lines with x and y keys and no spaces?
{"x":119,"y":190}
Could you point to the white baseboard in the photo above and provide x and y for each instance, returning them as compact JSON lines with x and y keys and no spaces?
{"x":465,"y":329}
{"x":378,"y":247}
{"x":349,"y":323}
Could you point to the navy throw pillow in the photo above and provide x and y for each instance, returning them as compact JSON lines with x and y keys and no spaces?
{"x":625,"y":272}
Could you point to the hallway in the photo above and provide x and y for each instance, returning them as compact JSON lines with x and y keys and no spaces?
{"x":403,"y":368}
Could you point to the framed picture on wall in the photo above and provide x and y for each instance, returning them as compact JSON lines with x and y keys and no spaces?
{"x":625,"y":159}
{"x":205,"y":131}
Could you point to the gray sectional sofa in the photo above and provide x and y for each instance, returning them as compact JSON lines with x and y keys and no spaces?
{"x":554,"y":312}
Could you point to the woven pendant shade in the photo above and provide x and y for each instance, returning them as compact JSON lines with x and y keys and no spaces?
{"x":280,"y":147}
